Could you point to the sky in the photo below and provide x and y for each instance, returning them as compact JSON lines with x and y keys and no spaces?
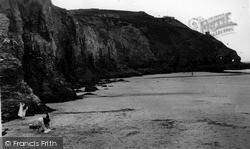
{"x":184,"y":10}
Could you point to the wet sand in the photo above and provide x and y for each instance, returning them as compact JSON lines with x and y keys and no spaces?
{"x":203,"y":111}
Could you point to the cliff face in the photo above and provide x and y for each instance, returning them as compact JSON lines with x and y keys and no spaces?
{"x":13,"y":87}
{"x":135,"y":40}
{"x":46,"y":51}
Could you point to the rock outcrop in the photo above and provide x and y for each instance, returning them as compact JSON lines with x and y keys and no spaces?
{"x":13,"y":87}
{"x":47,"y":51}
{"x":120,"y":40}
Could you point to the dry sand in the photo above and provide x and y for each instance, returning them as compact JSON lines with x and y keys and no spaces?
{"x":204,"y":111}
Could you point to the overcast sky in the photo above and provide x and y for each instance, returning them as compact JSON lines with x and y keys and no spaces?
{"x":183,"y":10}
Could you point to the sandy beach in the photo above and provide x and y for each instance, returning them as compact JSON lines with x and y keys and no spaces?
{"x":168,"y":111}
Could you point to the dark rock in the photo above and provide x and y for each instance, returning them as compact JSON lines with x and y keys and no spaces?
{"x":14,"y":89}
{"x":120,"y":80}
{"x":4,"y":132}
{"x":47,"y":51}
{"x":107,"y":81}
{"x":78,"y":90}
{"x":89,"y":94}
{"x":168,"y":45}
{"x":90,"y":89}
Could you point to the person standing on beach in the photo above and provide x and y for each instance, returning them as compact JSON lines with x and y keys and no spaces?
{"x":22,"y":110}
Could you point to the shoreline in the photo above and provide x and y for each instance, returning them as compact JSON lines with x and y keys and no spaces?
{"x":118,"y":79}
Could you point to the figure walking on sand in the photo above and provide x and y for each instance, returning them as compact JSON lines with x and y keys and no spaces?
{"x":22,"y":111}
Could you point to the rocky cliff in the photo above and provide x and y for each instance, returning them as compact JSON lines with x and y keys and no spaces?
{"x":47,"y":51}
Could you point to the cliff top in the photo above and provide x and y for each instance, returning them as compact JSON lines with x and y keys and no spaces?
{"x":135,"y":17}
